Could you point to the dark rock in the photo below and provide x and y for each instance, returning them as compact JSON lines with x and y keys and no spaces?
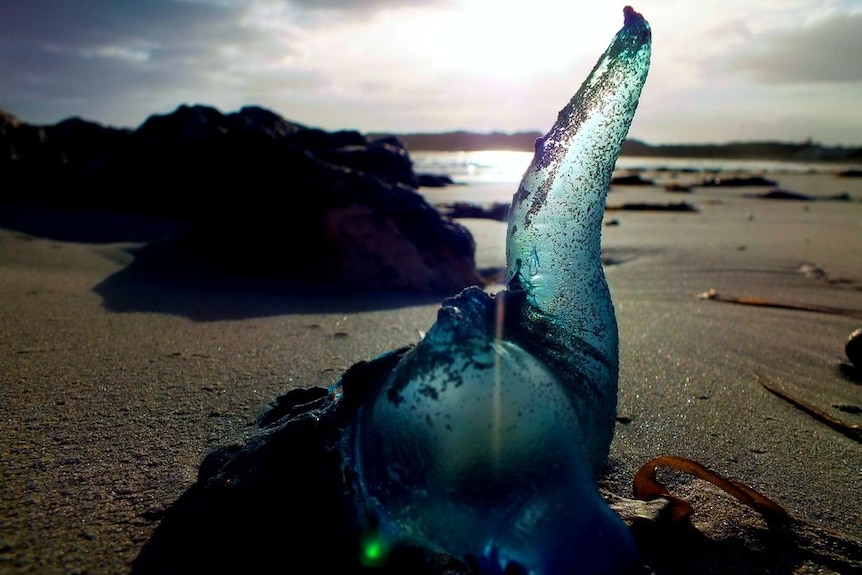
{"x":55,"y":165}
{"x":318,"y":140}
{"x":649,"y":207}
{"x":261,"y":195}
{"x":850,"y":174}
{"x":737,"y":182}
{"x":335,"y":225}
{"x":25,"y":157}
{"x":176,"y":156}
{"x":20,"y":143}
{"x":848,"y":408}
{"x":86,"y":146}
{"x":254,"y":119}
{"x":777,"y":194}
{"x":185,"y":127}
{"x":434,"y":180}
{"x":677,"y":188}
{"x":631,"y":180}
{"x":382,"y":158}
{"x":853,"y":348}
{"x":293,"y":403}
{"x":496,"y":211}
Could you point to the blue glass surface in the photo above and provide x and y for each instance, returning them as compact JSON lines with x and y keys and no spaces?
{"x":486,"y":439}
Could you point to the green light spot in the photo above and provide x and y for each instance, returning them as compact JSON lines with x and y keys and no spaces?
{"x":373,"y":551}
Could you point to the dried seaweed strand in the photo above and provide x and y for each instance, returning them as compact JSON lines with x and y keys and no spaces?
{"x":647,"y":487}
{"x":756,"y":301}
{"x":851,"y":430}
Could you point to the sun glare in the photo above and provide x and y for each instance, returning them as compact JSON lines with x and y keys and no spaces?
{"x":517,"y":41}
{"x":505,"y":41}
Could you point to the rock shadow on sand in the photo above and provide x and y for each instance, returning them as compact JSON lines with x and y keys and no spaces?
{"x":92,"y":226}
{"x":166,"y":278}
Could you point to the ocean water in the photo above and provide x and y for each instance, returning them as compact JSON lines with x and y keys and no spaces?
{"x":490,"y":177}
{"x":507,"y":166}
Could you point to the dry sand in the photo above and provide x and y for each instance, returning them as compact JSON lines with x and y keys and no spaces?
{"x":116,"y":382}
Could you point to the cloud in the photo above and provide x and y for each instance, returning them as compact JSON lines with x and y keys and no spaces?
{"x":95,"y":22}
{"x":826,"y":50}
{"x":364,"y":5}
{"x":123,"y":59}
{"x":428,"y":64}
{"x":133,"y":52}
{"x":104,"y":59}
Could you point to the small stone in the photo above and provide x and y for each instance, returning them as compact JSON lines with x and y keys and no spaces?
{"x":854,"y":348}
{"x":847,"y":408}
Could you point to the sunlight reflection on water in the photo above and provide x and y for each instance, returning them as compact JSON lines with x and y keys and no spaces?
{"x":503,"y":166}
{"x":484,"y":166}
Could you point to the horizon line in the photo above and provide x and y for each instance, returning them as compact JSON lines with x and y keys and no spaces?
{"x":811,"y":141}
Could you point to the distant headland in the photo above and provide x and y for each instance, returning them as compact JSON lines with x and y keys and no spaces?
{"x":807,"y":151}
{"x":469,"y":141}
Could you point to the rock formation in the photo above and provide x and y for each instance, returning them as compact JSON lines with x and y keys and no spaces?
{"x":260,"y":194}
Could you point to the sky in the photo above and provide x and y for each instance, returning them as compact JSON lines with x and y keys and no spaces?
{"x":722,"y":70}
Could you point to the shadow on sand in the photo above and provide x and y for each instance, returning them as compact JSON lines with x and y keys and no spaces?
{"x":86,"y":226}
{"x":166,"y":278}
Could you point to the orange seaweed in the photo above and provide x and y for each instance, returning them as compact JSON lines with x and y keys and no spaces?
{"x":647,"y":487}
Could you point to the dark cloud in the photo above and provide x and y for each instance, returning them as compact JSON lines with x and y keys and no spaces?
{"x":103,"y":58}
{"x":88,"y":22}
{"x":826,"y":51}
{"x":78,"y":41}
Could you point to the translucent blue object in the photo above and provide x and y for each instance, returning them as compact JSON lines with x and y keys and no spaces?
{"x":486,"y":439}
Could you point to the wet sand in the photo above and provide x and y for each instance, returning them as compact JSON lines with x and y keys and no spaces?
{"x":117,"y":382}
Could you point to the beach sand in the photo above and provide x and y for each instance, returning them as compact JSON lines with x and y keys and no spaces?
{"x":116,"y":382}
